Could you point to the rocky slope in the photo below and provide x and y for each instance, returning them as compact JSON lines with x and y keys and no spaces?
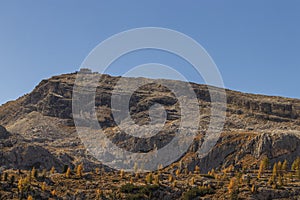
{"x":41,"y":129}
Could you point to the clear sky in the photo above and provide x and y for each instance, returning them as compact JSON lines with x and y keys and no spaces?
{"x":255,"y":44}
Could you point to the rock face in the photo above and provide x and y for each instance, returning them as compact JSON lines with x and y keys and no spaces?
{"x":28,"y":156}
{"x":17,"y":152}
{"x":245,"y":149}
{"x":256,"y":125}
{"x":4,"y":134}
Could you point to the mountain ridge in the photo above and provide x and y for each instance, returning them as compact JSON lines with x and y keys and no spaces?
{"x":45,"y":117}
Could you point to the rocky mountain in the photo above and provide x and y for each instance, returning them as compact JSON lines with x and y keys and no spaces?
{"x":39,"y":127}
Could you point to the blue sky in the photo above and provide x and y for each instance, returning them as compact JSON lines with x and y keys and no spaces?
{"x":255,"y":44}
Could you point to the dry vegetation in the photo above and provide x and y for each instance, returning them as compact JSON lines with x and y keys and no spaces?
{"x":174,"y":182}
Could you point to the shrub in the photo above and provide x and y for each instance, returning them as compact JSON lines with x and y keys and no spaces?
{"x":20,"y":185}
{"x":170,"y":178}
{"x":197,"y":192}
{"x":24,"y":184}
{"x":212,"y":173}
{"x":43,"y":187}
{"x":174,"y":184}
{"x":296,"y":164}
{"x":148,"y":189}
{"x":284,"y":166}
{"x":44,"y":173}
{"x":264,"y":164}
{"x":53,"y":192}
{"x":254,"y":189}
{"x":149,"y":178}
{"x":128,"y":188}
{"x":192,"y":181}
{"x":156,"y":179}
{"x":279,"y":168}
{"x":52,"y":170}
{"x":68,"y":173}
{"x":79,"y":170}
{"x":197,"y":170}
{"x":280,"y":181}
{"x":177,"y":172}
{"x":122,"y":173}
{"x":138,"y":191}
{"x":275,"y":170}
{"x":233,"y":185}
{"x":296,"y":167}
{"x":34,"y":173}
